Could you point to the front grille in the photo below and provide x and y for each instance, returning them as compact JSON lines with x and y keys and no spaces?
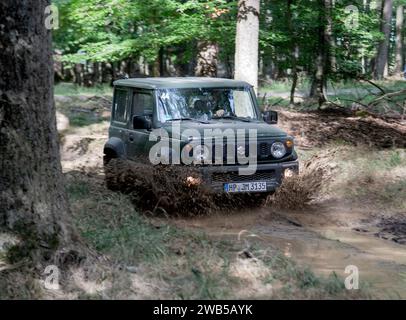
{"x":235,"y":177}
{"x":264,"y":149}
{"x":263,"y":152}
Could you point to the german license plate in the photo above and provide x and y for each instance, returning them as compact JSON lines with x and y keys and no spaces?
{"x":245,"y":187}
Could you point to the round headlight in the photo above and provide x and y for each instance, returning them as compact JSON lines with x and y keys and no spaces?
{"x":278,"y":150}
{"x":201,"y":153}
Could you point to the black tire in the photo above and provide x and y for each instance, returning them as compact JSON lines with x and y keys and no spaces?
{"x":109,"y":176}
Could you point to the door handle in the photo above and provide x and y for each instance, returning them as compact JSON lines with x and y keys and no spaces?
{"x":131,"y":138}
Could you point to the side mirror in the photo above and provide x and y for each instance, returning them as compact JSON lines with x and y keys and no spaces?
{"x":270,"y":117}
{"x":142,"y":122}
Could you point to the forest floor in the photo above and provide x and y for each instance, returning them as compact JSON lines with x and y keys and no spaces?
{"x":357,"y":218}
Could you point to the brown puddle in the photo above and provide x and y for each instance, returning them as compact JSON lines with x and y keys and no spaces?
{"x":325,"y":249}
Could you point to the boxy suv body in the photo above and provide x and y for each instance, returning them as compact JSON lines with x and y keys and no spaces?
{"x":216,"y":121}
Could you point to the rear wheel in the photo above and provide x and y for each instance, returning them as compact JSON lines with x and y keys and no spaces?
{"x":109,"y":172}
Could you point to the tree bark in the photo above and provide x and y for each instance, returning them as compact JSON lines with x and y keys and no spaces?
{"x":33,"y":203}
{"x":399,"y":40}
{"x":319,"y":83}
{"x":78,"y":70}
{"x":246,"y":46}
{"x":381,"y":65}
{"x":96,"y":77}
{"x":207,"y":59}
{"x":294,"y":49}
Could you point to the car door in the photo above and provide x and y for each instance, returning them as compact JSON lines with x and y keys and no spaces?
{"x":121,"y":112}
{"x":142,"y":104}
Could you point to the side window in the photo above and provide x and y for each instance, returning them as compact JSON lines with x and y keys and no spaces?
{"x":143,"y":103}
{"x":120,"y":106}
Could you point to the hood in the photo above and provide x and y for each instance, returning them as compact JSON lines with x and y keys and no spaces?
{"x":264,"y":130}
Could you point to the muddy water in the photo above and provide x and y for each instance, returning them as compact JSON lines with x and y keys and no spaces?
{"x":325,"y":248}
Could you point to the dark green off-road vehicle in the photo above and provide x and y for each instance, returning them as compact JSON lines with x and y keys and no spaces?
{"x":213,"y":124}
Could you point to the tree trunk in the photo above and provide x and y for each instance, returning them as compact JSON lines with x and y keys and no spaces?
{"x":96,"y":73}
{"x":207,"y":59}
{"x":246,"y":46}
{"x":294,"y":49}
{"x":33,"y":202}
{"x":319,"y":83}
{"x":78,"y":70}
{"x":105,"y":73}
{"x":329,"y":36}
{"x":114,"y":72}
{"x":399,"y":40}
{"x":383,"y":49}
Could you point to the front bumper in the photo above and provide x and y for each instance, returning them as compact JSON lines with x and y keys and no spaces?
{"x":272,"y":173}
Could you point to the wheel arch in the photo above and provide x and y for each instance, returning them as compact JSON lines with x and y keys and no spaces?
{"x":114,"y":148}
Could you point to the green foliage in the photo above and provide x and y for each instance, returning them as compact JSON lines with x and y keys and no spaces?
{"x":354,"y":39}
{"x":117,"y":30}
{"x":113,"y":30}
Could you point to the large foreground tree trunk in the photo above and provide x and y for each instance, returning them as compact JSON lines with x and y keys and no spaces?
{"x":246,"y":46}
{"x":33,"y":203}
{"x":399,"y":40}
{"x":381,"y":65}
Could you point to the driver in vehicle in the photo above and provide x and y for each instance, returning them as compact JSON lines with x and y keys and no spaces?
{"x":219,"y":101}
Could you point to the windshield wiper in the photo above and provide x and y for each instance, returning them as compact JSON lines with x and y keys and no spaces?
{"x":233,"y":118}
{"x":179,"y":119}
{"x":186,"y":119}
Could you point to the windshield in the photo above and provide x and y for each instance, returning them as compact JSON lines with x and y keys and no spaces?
{"x":205,"y":104}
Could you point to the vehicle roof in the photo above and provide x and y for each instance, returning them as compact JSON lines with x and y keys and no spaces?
{"x":180,"y":82}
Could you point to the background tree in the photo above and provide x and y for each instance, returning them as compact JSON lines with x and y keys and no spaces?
{"x":33,"y":203}
{"x":322,"y":59}
{"x":381,"y":68}
{"x":246,"y":51}
{"x":399,"y":51}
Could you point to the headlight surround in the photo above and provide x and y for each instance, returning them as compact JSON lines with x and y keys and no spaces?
{"x":278,"y":150}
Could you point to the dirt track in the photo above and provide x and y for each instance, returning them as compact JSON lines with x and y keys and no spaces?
{"x":327,"y":237}
{"x":317,"y":129}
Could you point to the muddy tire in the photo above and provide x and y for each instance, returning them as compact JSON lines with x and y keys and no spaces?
{"x":109,"y":174}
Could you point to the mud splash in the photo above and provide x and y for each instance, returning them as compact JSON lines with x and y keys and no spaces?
{"x":170,"y":190}
{"x":298,"y":191}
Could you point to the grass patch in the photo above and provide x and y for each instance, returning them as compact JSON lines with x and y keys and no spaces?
{"x":112,"y":225}
{"x":301,"y":283}
{"x":109,"y":223}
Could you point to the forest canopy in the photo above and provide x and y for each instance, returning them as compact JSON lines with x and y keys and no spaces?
{"x":165,"y":37}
